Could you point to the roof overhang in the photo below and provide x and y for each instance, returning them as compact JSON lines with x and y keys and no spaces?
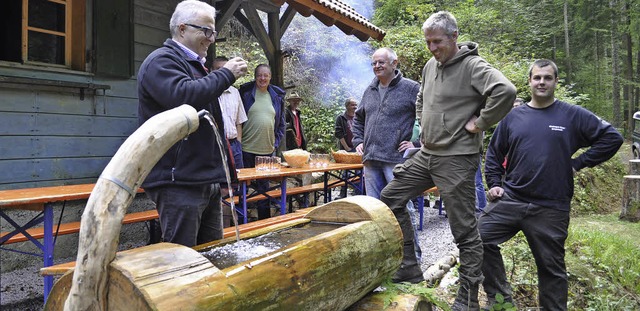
{"x":335,"y":12}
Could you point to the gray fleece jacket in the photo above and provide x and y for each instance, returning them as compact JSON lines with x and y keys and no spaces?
{"x":381,"y":124}
{"x":452,"y":92}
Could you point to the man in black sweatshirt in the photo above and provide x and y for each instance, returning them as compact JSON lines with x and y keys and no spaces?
{"x":539,"y":140}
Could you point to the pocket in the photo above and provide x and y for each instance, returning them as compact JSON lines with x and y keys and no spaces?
{"x":435,"y":131}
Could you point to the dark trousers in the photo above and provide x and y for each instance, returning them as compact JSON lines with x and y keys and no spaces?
{"x":546,"y":231}
{"x":189,"y":215}
{"x":264,"y":210}
{"x":454,"y":177}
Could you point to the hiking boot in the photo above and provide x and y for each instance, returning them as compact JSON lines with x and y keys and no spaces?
{"x":411,"y":274}
{"x":409,"y":268}
{"x":467,"y":299}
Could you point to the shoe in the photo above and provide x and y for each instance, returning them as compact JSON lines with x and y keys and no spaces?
{"x":467,"y":299}
{"x":411,"y":274}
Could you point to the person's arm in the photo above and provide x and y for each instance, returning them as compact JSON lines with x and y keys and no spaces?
{"x":603,"y":138}
{"x":239,"y":130}
{"x":496,"y":153}
{"x":241,"y":117}
{"x":280,"y":126}
{"x":344,"y":144}
{"x":498,"y":90}
{"x":358,"y":128}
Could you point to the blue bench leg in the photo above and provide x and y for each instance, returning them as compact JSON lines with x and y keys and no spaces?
{"x":420,"y":200}
{"x":47,"y":250}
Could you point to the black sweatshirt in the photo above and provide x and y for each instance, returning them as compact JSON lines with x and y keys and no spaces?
{"x":539,"y":145}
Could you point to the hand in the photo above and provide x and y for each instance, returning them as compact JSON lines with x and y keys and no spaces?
{"x":238,"y":66}
{"x":495,"y":193}
{"x":405,"y":145}
{"x":360,"y":149}
{"x":471,"y":125}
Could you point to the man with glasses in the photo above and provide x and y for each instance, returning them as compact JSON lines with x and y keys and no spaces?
{"x":382,"y":130}
{"x":185,"y":183}
{"x":461,"y":96}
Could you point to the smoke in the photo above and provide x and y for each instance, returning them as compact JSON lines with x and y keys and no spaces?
{"x":334,"y":65}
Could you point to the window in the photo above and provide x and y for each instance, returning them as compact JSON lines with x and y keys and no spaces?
{"x":44,"y":32}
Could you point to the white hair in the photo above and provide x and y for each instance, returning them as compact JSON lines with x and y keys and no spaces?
{"x":441,"y":20}
{"x":186,"y":11}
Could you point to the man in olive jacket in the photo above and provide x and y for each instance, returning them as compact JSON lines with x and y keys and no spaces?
{"x":461,"y":96}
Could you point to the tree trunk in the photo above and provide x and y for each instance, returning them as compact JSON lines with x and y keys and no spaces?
{"x":113,"y":193}
{"x":631,"y":198}
{"x":566,"y":42}
{"x":330,"y":270}
{"x":634,"y":167}
{"x":628,"y":88}
{"x":615,"y":63}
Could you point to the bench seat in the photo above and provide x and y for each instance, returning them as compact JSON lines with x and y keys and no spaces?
{"x":74,"y":227}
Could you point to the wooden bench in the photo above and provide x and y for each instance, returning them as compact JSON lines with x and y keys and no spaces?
{"x":43,"y":199}
{"x":74,"y":227}
{"x":228,"y":232}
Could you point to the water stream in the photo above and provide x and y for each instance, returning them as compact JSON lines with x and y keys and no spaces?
{"x":207,"y":115}
{"x":234,"y":253}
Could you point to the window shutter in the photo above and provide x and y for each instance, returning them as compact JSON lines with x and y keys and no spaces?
{"x":114,"y":38}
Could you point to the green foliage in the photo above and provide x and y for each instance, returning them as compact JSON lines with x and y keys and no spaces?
{"x":603,"y":260}
{"x":319,"y":125}
{"x":502,"y":305}
{"x":402,"y":12}
{"x":599,"y":189}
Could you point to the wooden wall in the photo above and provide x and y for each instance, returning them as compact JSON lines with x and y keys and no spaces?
{"x":53,"y":135}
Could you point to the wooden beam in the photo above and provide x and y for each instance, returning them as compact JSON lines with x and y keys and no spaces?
{"x":259,"y":30}
{"x":277,"y":64}
{"x":226,"y":11}
{"x":244,"y":21}
{"x":328,"y":21}
{"x":286,"y":19}
{"x":303,"y":10}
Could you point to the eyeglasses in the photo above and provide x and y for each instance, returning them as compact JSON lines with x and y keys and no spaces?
{"x":375,"y":63}
{"x":208,"y":32}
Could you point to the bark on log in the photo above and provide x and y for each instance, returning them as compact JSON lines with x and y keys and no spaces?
{"x":631,"y":198}
{"x":329,"y":271}
{"x":634,"y":167}
{"x":113,"y":193}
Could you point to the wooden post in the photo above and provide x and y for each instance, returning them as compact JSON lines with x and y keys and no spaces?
{"x":634,"y":167}
{"x":113,"y":193}
{"x":631,"y":198}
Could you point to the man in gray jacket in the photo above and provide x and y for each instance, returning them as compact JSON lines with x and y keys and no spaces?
{"x":461,"y":96}
{"x":382,"y":130}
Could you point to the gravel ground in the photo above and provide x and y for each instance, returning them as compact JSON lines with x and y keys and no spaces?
{"x":22,"y":289}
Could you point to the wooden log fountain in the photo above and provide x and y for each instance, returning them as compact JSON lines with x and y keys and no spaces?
{"x":328,"y":271}
{"x":113,"y":193}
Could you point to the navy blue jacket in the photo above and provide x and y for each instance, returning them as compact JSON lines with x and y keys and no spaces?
{"x":248,"y":94}
{"x":539,"y":145}
{"x":167,"y":79}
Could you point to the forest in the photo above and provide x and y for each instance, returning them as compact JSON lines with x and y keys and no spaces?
{"x":596,"y":45}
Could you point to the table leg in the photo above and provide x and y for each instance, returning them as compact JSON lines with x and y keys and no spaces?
{"x":283,"y":196}
{"x":47,"y":249}
{"x":243,"y":200}
{"x":327,"y":191}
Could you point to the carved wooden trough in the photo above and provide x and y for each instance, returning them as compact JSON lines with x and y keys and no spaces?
{"x":360,"y":246}
{"x":329,"y":271}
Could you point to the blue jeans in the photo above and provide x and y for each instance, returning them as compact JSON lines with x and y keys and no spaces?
{"x":236,"y":149}
{"x":481,"y":197}
{"x":377,"y":175}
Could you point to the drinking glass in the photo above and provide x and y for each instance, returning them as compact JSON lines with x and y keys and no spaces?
{"x":276,"y":163}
